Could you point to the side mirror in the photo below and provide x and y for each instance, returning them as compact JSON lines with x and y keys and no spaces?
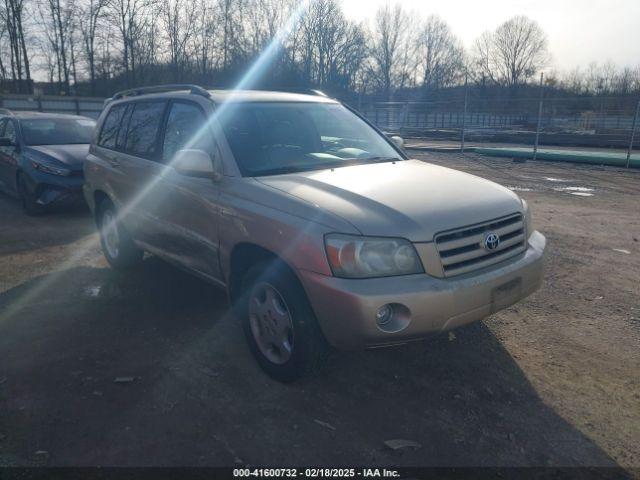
{"x":399,"y":141}
{"x":196,"y":163}
{"x":6,"y":142}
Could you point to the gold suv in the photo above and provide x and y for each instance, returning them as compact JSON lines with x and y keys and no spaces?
{"x":321,"y":229}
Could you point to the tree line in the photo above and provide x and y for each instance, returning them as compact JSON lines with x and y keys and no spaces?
{"x":94,"y":47}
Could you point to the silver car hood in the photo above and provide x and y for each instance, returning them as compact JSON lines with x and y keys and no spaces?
{"x":410,"y":199}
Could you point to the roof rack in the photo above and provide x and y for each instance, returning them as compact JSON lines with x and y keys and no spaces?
{"x":305,"y":91}
{"x":194,"y":89}
{"x":319,"y":93}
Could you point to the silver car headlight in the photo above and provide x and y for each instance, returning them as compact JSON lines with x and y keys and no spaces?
{"x":528,"y":223}
{"x":352,"y":256}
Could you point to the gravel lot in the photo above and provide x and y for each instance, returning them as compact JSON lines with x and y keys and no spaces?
{"x":551,"y":381}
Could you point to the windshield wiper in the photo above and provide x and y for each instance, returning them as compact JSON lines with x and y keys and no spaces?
{"x":294,"y":169}
{"x":382,"y":159}
{"x":346,"y":162}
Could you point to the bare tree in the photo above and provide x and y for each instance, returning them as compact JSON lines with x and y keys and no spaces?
{"x":3,"y":43}
{"x":392,"y":51}
{"x":91,"y":15}
{"x":231,"y":31}
{"x":104,"y":58}
{"x":178,"y":23}
{"x":441,"y":55}
{"x":513,"y":53}
{"x":329,"y":48}
{"x":13,"y":15}
{"x":56,"y":21}
{"x":130,"y":17}
{"x":204,"y":37}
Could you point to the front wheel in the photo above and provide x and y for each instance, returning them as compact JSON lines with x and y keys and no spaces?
{"x":279,"y":323}
{"x":117,"y":245}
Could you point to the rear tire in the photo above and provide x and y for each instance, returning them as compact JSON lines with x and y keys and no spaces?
{"x":272,"y":296}
{"x":28,"y":200}
{"x":117,"y":245}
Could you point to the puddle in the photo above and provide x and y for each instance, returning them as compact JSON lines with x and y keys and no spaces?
{"x":581,"y":194}
{"x":517,"y":188}
{"x":92,"y":291}
{"x":109,"y":290}
{"x":578,"y":191}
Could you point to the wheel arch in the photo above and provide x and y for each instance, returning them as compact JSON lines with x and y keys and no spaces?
{"x":245,"y":255}
{"x":98,"y":197}
{"x":20,"y":173}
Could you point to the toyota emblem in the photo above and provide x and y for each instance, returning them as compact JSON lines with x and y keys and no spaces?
{"x":491,"y":241}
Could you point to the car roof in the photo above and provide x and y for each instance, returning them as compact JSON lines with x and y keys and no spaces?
{"x":23,"y":115}
{"x":222,"y":96}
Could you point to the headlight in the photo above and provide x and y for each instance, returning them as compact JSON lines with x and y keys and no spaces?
{"x":528,"y":226}
{"x":51,"y":169}
{"x":361,"y":257}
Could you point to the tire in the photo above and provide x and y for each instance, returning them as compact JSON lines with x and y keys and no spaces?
{"x":117,"y":246}
{"x":29,"y":202}
{"x":308,"y":348}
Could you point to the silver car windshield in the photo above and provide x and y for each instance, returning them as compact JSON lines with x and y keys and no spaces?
{"x":272,"y":138}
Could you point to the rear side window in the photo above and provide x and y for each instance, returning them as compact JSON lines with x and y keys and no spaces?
{"x":122,"y":133}
{"x":143,"y":128}
{"x":186,"y":128}
{"x":110,"y":127}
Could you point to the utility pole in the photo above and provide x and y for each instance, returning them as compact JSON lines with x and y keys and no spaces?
{"x":633,"y":134}
{"x":464,"y":115}
{"x":535,"y":146}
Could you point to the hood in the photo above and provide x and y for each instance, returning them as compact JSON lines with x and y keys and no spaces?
{"x":410,"y":199}
{"x":71,"y":155}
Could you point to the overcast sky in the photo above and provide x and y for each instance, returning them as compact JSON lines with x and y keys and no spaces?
{"x":580,"y":31}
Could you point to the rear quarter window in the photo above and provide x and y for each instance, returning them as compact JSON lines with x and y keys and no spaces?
{"x":109,"y":131}
{"x":143,"y":128}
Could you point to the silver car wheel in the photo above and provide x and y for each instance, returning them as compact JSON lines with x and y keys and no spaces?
{"x":271,"y":323}
{"x":110,"y":235}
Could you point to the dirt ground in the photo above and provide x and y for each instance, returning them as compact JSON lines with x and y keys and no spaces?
{"x":553,"y":380}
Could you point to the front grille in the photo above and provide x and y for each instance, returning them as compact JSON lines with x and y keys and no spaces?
{"x":462,"y":250}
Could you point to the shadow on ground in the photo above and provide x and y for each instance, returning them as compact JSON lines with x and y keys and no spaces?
{"x":22,"y":233}
{"x":197,"y":398}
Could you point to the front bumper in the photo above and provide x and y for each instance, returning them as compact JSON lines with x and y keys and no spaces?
{"x":56,"y":191}
{"x":346,"y":308}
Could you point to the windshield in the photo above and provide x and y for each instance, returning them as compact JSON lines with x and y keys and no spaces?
{"x":57,"y":131}
{"x":272,"y":138}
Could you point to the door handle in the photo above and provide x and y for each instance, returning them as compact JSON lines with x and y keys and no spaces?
{"x":113,"y":162}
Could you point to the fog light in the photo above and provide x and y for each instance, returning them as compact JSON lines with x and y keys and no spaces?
{"x":384,"y":314}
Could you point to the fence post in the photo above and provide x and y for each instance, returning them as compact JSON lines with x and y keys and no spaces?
{"x":633,"y":134}
{"x":405,"y":117}
{"x":464,"y":114}
{"x":535,"y":146}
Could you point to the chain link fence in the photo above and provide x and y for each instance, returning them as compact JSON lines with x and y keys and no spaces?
{"x":604,"y":123}
{"x":469,"y":118}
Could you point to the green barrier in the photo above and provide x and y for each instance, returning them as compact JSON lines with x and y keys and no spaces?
{"x":576,"y":156}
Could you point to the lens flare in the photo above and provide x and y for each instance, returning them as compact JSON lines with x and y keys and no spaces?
{"x":248,"y":80}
